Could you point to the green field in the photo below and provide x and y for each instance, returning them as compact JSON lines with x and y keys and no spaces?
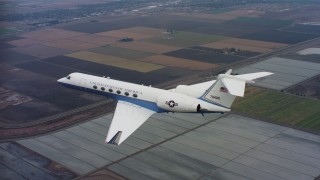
{"x":280,"y":108}
{"x":184,"y":39}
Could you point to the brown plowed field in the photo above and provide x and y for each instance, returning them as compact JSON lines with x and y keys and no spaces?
{"x":245,"y":44}
{"x":71,"y":45}
{"x":124,"y":34}
{"x":179,"y":62}
{"x":50,"y":34}
{"x":95,"y":39}
{"x":148,"y":47}
{"x":40,"y":51}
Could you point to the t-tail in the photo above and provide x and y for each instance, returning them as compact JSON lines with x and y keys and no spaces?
{"x":225,"y":89}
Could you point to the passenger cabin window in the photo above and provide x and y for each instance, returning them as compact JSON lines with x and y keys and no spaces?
{"x":103,"y":89}
{"x":126,"y":93}
{"x":94,"y":87}
{"x":110,"y":90}
{"x":119,"y":92}
{"x":135,"y":95}
{"x":69,"y":77}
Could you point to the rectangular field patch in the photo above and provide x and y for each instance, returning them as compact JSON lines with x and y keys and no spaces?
{"x":179,"y":62}
{"x":50,"y":34}
{"x":95,"y":39}
{"x":147,"y":47}
{"x":124,"y":34}
{"x":204,"y":55}
{"x":71,"y":44}
{"x":121,"y":52}
{"x":245,"y":44}
{"x":184,"y":39}
{"x":41,"y":51}
{"x":115,"y":61}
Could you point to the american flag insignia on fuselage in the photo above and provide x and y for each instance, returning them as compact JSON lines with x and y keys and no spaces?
{"x":223,"y":89}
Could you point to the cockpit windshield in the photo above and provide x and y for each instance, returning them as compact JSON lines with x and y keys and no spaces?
{"x":69,"y":77}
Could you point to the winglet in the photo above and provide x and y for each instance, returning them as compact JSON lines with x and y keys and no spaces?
{"x":115,"y":139}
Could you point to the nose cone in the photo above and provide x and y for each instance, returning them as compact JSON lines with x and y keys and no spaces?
{"x":60,"y":80}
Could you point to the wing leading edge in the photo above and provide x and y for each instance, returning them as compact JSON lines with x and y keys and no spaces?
{"x":126,"y":119}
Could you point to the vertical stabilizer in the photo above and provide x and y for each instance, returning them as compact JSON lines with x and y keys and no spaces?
{"x":227,"y":87}
{"x":219,"y":94}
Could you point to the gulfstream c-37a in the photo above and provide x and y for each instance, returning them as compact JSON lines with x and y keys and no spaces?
{"x":136,"y":103}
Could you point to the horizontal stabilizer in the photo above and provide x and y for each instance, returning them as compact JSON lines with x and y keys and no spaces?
{"x":253,"y":76}
{"x":235,"y":87}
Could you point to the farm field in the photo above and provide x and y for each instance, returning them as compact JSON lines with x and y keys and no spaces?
{"x":145,"y":30}
{"x":40,"y":51}
{"x":124,"y":34}
{"x":279,"y":36}
{"x":25,"y":42}
{"x":310,"y":29}
{"x":184,"y":39}
{"x":245,"y":44}
{"x":222,"y":14}
{"x":178,"y":62}
{"x":309,"y":88}
{"x":308,"y":58}
{"x":108,"y":71}
{"x":72,"y":45}
{"x":121,"y":52}
{"x":46,"y":69}
{"x":9,"y":57}
{"x":95,"y":39}
{"x":50,"y":34}
{"x":203,"y":54}
{"x":280,"y":108}
{"x":225,"y":29}
{"x":261,"y":22}
{"x":45,"y":96}
{"x":147,"y":47}
{"x":115,"y":61}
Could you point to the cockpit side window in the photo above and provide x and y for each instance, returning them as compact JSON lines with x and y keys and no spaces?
{"x":69,"y":77}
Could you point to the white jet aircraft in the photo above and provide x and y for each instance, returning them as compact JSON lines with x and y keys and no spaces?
{"x":136,"y":103}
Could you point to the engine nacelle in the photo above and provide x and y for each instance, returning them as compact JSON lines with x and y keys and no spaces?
{"x":178,"y":103}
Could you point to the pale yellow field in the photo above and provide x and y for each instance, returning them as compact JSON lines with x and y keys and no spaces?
{"x":116,"y":61}
{"x":179,"y":62}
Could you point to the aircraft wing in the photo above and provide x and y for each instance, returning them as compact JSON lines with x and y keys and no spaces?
{"x":126,"y":119}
